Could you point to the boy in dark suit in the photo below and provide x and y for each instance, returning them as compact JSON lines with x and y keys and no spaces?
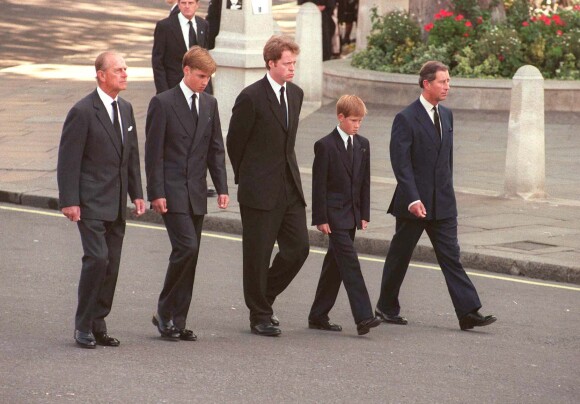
{"x":341,"y":179}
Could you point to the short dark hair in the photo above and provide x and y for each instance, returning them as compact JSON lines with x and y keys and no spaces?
{"x":276,"y":45}
{"x":199,"y":58}
{"x":430,"y":69}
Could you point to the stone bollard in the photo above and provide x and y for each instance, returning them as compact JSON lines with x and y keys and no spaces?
{"x":309,"y":65}
{"x":525,"y":167}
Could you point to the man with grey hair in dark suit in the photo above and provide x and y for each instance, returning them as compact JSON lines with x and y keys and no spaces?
{"x":98,"y":164}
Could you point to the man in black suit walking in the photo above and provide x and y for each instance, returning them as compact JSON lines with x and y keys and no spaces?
{"x":173,"y":36}
{"x":184,"y":140}
{"x":260,"y":143}
{"x":421,"y":151}
{"x":341,"y":203}
{"x":98,"y":164}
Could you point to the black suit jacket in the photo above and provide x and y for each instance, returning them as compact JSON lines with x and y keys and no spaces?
{"x":177,"y":157}
{"x":95,"y":170}
{"x":169,"y":48}
{"x":341,"y":189}
{"x":259,"y":146}
{"x":423,"y":164}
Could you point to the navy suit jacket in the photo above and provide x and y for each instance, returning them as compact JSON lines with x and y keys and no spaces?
{"x":341,"y":189}
{"x":95,"y":170}
{"x":177,"y":157}
{"x":169,"y":48}
{"x":423,"y":164}
{"x":259,"y":145}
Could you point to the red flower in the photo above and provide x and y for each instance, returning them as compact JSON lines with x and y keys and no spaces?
{"x":525,"y":23}
{"x":533,"y":19}
{"x":428,"y":27}
{"x":466,"y":35}
{"x":559,"y":33}
{"x":468,"y":24}
{"x":501,"y":57}
{"x":479,"y":19}
{"x":438,"y":16}
{"x":459,"y":17}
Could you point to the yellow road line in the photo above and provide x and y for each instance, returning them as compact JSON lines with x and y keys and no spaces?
{"x":318,"y":251}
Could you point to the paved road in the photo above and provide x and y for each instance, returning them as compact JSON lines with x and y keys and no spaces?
{"x":530,"y":355}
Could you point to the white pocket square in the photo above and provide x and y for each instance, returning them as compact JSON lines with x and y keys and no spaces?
{"x":130,"y":129}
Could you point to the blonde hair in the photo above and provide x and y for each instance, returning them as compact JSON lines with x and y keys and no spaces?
{"x":350,"y":105}
{"x":199,"y":58}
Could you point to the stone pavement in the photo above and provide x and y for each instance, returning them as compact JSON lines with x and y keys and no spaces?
{"x":539,"y":239}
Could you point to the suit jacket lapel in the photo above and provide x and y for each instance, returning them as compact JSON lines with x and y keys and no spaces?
{"x":183,"y":112}
{"x":342,"y":152}
{"x":357,"y":159}
{"x":177,"y":32}
{"x":200,"y":32}
{"x":105,"y":119}
{"x":274,"y":101}
{"x":427,"y":124}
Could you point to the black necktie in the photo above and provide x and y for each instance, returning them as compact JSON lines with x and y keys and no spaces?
{"x":193,"y":108}
{"x":283,"y":105}
{"x":437,"y":123}
{"x":192,"y":36}
{"x":116,"y":123}
{"x":349,"y":149}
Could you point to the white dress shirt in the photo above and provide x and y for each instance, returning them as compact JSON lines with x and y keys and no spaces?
{"x":108,"y":101}
{"x":184,"y":24}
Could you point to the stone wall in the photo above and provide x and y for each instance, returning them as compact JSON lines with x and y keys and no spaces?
{"x":401,"y":89}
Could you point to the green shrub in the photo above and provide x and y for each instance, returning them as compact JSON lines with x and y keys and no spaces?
{"x":474,"y":47}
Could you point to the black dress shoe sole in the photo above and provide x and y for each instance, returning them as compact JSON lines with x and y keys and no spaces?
{"x":314,"y":326}
{"x":391,"y":320}
{"x":170,"y":336}
{"x":109,"y":343}
{"x":465,"y":327}
{"x":85,"y":345}
{"x":266,"y":333}
{"x":367,"y":327}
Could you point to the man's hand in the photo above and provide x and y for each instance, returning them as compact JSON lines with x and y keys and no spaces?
{"x":364,"y":224}
{"x":223,"y":201}
{"x":325,"y":228}
{"x":139,"y":207}
{"x":418,"y":210}
{"x":73,"y":213}
{"x":159,"y":205}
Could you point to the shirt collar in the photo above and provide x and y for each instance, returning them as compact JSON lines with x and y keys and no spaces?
{"x":187,"y":92}
{"x":275,"y":86}
{"x":106,"y":98}
{"x":185,"y":21}
{"x":426,"y":104}
{"x":344,"y":135}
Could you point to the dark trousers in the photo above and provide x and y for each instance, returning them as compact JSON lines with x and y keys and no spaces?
{"x":443,"y":236}
{"x":341,"y":264}
{"x":328,"y":28}
{"x":184,"y":232}
{"x":102,"y":244}
{"x":286,"y":224}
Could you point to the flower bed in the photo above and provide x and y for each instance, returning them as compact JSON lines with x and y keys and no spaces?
{"x":473,"y":46}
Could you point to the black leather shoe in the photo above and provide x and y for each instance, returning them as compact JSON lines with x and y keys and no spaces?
{"x":187,"y":335}
{"x":85,"y":339}
{"x":167,"y":330}
{"x":104,"y":339}
{"x":265,"y":329}
{"x":475,"y":319}
{"x":393,"y":319}
{"x":365,"y":326}
{"x":211,"y":192}
{"x":274,"y":320}
{"x":324,"y":325}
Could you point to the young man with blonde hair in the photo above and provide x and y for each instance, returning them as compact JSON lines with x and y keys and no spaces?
{"x":183,"y":141}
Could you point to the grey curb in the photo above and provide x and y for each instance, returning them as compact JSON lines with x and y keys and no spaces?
{"x":225,"y":222}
